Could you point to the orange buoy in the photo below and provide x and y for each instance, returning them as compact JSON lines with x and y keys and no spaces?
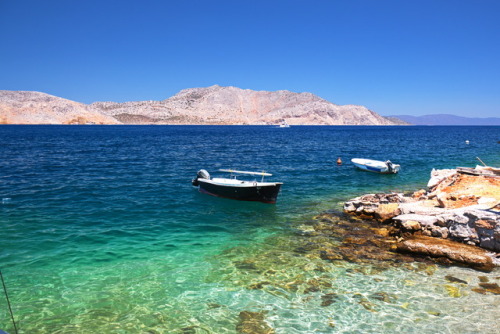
{"x":339,"y":161}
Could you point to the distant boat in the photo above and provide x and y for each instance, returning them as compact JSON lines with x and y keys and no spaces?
{"x":382,"y":167}
{"x":284,"y":124}
{"x":233,"y":188}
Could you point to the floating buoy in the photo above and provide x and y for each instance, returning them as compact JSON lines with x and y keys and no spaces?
{"x":339,"y":161}
{"x":467,"y":142}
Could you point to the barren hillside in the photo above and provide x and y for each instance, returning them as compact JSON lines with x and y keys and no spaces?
{"x":210,"y":105}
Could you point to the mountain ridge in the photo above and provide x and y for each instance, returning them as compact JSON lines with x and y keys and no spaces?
{"x":215,"y":105}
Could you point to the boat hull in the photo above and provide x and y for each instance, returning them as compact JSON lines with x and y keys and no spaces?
{"x":247,"y":191}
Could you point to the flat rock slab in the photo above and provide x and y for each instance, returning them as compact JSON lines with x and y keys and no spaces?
{"x":454,"y":251}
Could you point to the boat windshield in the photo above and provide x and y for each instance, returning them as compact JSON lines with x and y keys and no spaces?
{"x":233,"y":172}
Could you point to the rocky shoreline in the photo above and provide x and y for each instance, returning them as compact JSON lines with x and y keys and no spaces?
{"x":456,"y":218}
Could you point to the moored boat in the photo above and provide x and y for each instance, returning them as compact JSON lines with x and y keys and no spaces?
{"x":234,"y":188}
{"x":382,"y":167}
{"x":284,"y":124}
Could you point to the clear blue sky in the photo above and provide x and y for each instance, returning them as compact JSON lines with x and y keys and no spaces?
{"x":394,"y":57}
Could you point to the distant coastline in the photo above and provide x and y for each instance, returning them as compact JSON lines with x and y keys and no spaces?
{"x":446,"y":119}
{"x":213,"y":105}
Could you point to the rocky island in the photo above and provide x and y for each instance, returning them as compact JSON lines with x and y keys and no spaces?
{"x":213,"y":105}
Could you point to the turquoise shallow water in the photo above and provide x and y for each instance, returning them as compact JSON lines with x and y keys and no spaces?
{"x":102,"y":232}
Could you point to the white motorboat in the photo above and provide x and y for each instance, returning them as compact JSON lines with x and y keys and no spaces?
{"x":382,"y":167}
{"x":284,"y":124}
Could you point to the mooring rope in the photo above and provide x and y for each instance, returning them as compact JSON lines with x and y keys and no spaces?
{"x":8,"y":302}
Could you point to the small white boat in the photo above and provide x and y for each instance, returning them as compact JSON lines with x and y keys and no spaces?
{"x":284,"y":124}
{"x":235,"y":188}
{"x":382,"y":167}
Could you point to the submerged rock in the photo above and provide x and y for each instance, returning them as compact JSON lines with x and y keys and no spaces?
{"x":328,"y":299}
{"x":452,"y":279}
{"x":491,"y":287}
{"x":385,"y":297}
{"x":253,"y":323}
{"x":485,"y":288}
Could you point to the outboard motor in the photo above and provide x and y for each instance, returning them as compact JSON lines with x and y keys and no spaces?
{"x":202,"y":174}
{"x":390,"y":166}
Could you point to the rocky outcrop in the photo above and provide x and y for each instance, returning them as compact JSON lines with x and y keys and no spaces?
{"x":210,"y":105}
{"x":458,"y":207}
{"x":18,"y":107}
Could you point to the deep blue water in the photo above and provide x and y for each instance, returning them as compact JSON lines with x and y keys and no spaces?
{"x":102,"y":232}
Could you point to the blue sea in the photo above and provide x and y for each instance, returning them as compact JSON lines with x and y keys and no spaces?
{"x":101,"y":231}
